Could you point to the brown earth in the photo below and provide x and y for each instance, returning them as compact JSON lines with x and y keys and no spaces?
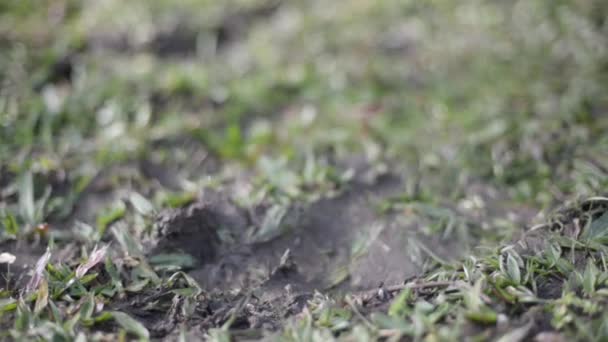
{"x":342,"y":243}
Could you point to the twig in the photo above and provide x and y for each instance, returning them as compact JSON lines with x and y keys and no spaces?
{"x":596,"y":199}
{"x":413,"y":286}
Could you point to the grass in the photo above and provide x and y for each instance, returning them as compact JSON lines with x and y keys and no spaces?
{"x":103,"y":123}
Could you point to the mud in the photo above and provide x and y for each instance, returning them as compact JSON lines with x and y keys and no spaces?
{"x":339,"y":243}
{"x":258,"y":284}
{"x":342,"y":243}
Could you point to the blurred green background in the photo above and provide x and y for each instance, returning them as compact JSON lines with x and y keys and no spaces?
{"x":174,"y":95}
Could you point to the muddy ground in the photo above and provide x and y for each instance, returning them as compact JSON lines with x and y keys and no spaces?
{"x":345,"y":243}
{"x":259,"y":266}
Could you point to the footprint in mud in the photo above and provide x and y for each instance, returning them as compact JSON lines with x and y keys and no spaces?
{"x":343,"y":242}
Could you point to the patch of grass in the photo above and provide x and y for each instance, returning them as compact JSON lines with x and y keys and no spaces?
{"x":110,"y":112}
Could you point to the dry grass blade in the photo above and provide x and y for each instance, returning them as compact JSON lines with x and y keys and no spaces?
{"x":38,"y":272}
{"x":97,"y":256}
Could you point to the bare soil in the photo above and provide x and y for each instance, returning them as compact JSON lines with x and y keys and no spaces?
{"x":343,"y":243}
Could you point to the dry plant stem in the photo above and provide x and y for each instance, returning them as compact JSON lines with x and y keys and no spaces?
{"x":419,"y":286}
